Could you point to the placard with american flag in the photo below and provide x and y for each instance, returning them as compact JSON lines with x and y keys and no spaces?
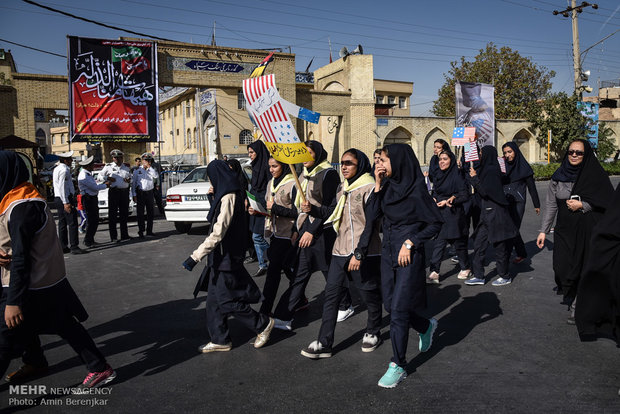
{"x":461,"y":135}
{"x":502,"y":164}
{"x":471,"y":152}
{"x":265,"y":107}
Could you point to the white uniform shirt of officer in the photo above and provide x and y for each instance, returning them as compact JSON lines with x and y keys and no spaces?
{"x":87,"y":183}
{"x":120,"y":173}
{"x":143,"y":180}
{"x":63,"y":186}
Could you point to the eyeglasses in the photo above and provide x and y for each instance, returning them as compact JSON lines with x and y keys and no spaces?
{"x":348,"y":163}
{"x":576,"y":152}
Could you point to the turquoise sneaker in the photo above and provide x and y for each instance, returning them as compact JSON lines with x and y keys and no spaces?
{"x":392,"y":376}
{"x":426,"y":339}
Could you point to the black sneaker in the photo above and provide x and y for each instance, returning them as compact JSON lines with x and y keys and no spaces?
{"x":66,"y":250}
{"x":315,"y":351}
{"x":77,"y":250}
{"x":140,"y":235}
{"x":260,"y":272}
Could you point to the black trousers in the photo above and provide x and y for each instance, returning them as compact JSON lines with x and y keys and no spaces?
{"x":118,"y":211}
{"x":91,"y":208}
{"x":277,"y":255}
{"x":502,"y":252}
{"x":67,"y":220}
{"x":24,"y":340}
{"x":368,"y":282}
{"x":145,"y":201}
{"x":158,"y":199}
{"x":222,"y":303}
{"x":517,"y":210}
{"x":460,"y":245}
{"x":292,"y":297}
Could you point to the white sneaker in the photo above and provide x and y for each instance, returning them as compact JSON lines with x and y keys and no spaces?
{"x":464,"y":274}
{"x":343,"y":315}
{"x":433,"y":278}
{"x":283,"y":325}
{"x":370,"y":342}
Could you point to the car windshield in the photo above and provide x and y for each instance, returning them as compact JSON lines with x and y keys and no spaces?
{"x":199,"y":175}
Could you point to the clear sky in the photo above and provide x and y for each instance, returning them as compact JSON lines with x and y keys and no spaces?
{"x":411,"y":40}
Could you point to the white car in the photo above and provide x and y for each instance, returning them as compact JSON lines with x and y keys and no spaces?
{"x":187,"y":202}
{"x":103,"y":200}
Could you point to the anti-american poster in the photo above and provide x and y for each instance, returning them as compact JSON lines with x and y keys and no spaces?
{"x":112,"y":90}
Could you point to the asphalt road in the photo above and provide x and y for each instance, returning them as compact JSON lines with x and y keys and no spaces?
{"x":497,"y":349}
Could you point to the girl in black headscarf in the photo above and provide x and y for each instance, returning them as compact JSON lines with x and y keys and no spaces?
{"x":495,"y":224}
{"x":260,"y":177}
{"x":319,"y":183}
{"x":450,"y":192}
{"x":355,"y":255}
{"x":579,"y":192}
{"x":231,"y":289}
{"x":518,"y":179}
{"x":235,"y":165}
{"x":410,"y":218}
{"x":598,"y":313}
{"x":279,"y":228}
{"x":439,"y":145}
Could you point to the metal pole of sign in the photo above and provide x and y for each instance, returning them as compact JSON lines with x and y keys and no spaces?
{"x":548,"y":146}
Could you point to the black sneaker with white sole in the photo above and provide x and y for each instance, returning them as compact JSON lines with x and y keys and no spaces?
{"x":316,"y":350}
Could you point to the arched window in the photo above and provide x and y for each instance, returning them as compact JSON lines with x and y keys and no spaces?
{"x":240,"y":99}
{"x":245,"y":137}
{"x":189,"y":138}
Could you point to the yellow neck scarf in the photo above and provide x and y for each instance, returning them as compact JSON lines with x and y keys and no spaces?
{"x":336,"y":216}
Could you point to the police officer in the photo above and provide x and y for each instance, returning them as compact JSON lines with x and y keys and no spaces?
{"x":90,"y":190}
{"x":142,"y":185}
{"x":119,"y":176}
{"x":65,"y":201}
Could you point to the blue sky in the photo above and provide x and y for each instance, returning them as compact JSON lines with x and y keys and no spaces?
{"x":411,"y":40}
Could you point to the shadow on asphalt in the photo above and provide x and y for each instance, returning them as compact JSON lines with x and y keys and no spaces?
{"x":458,"y":324}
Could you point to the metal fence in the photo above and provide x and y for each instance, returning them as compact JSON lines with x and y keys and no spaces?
{"x":610,"y":84}
{"x":172,"y":177}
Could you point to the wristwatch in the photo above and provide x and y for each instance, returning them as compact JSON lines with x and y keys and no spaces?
{"x":409,"y":246}
{"x":358,"y":254}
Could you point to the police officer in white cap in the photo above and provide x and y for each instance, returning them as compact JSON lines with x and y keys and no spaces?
{"x":142,"y":185}
{"x":65,"y":200}
{"x":90,"y":190}
{"x":119,"y":176}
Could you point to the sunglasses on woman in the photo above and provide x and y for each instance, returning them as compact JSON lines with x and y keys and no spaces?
{"x":576,"y":152}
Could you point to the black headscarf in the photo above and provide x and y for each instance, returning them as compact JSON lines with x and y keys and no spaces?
{"x":406,"y":199}
{"x":567,"y":173}
{"x":13,"y":172}
{"x":286,"y":169}
{"x":517,"y":169}
{"x":491,"y":175}
{"x":235,"y":165}
{"x":363,"y":164}
{"x":224,"y":181}
{"x":592,"y":183}
{"x":449,"y":182}
{"x":260,"y":168}
{"x":320,"y":154}
{"x":433,"y":164}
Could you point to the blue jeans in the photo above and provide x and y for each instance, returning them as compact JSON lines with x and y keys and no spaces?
{"x":261,"y":246}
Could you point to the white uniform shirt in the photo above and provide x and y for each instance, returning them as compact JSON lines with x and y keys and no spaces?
{"x":143,"y":180}
{"x":119,"y":173}
{"x":63,"y":186}
{"x":87,"y":183}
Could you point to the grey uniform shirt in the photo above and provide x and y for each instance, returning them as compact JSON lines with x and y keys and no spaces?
{"x":562,"y":191}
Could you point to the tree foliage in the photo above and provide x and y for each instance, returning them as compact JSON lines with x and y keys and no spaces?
{"x":558,"y":112}
{"x":518,"y":81}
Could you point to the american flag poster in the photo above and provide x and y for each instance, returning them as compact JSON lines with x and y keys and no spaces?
{"x":471,"y":152}
{"x":265,"y":106}
{"x":475,"y":107}
{"x":463,"y":135}
{"x":502,"y":164}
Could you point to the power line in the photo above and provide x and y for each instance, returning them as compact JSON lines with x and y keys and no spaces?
{"x":33,"y":48}
{"x":73,"y":16}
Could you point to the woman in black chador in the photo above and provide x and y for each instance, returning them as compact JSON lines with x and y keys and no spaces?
{"x":495,"y":224}
{"x":579,"y":192}
{"x":598,"y":313}
{"x":518,"y":179}
{"x":260,"y":177}
{"x":450,"y":192}
{"x":231,"y":289}
{"x":410,"y":218}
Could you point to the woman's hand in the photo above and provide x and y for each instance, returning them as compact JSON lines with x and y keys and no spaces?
{"x":472,"y":171}
{"x":425,"y":173}
{"x":305,"y":240}
{"x":574,"y":205}
{"x":13,"y":316}
{"x":450,"y":201}
{"x":537,"y":210}
{"x":305,"y":206}
{"x":442,"y":203}
{"x":251,"y":211}
{"x":540,"y":240}
{"x":404,"y":256}
{"x":354,"y":264}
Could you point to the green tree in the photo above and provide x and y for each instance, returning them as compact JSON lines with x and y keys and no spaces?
{"x":518,"y":81}
{"x":558,"y":112}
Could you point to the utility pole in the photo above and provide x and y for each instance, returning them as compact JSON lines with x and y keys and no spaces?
{"x":575,"y":10}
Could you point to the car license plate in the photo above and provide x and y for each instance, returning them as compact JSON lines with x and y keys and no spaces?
{"x":197,"y":197}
